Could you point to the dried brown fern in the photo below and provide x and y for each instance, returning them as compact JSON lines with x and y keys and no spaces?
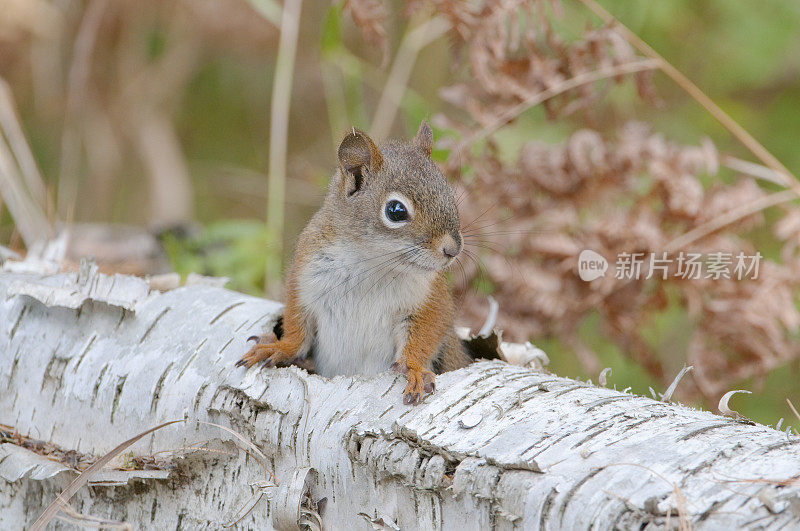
{"x":633,"y":194}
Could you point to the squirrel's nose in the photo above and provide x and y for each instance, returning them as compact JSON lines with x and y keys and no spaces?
{"x":450,"y":252}
{"x":450,"y":247}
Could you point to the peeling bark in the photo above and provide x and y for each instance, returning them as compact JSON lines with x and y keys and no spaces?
{"x":87,"y":361}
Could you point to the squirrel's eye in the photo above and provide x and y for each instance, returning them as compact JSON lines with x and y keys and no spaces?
{"x":396,"y":211}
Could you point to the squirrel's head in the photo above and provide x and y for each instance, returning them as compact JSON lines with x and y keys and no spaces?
{"x":396,"y":200}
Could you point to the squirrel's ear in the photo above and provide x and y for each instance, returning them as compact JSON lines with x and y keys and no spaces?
{"x":424,"y":138}
{"x":358,"y":152}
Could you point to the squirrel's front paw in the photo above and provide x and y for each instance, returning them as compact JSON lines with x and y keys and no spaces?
{"x":420,"y":382}
{"x":271,"y":353}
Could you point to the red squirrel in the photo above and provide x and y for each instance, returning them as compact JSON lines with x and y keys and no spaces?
{"x":366,"y":289}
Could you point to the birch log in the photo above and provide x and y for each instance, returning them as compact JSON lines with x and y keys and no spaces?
{"x":87,"y":361}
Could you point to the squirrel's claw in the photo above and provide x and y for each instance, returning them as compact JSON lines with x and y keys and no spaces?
{"x":266,"y":350}
{"x":264,"y":339}
{"x":430,"y":384}
{"x":400,"y":367}
{"x":411,"y":399}
{"x":420,"y":383}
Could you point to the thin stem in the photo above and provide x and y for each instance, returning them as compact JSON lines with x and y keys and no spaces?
{"x":755,"y":170}
{"x":335,"y":101}
{"x":414,"y":41}
{"x":729,"y":217}
{"x":29,"y":219}
{"x":278,"y":139}
{"x":79,"y":72}
{"x":796,"y":414}
{"x":12,"y":129}
{"x":21,"y":190}
{"x":269,"y":9}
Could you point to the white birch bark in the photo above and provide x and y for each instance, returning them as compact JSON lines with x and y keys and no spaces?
{"x":87,"y":361}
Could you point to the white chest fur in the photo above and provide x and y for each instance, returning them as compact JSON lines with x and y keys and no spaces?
{"x":358,"y":310}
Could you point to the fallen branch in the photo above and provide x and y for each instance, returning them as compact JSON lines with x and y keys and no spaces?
{"x":87,"y":361}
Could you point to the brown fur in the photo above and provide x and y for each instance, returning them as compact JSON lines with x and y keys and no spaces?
{"x":294,"y":334}
{"x":356,"y":193}
{"x":430,"y":334}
